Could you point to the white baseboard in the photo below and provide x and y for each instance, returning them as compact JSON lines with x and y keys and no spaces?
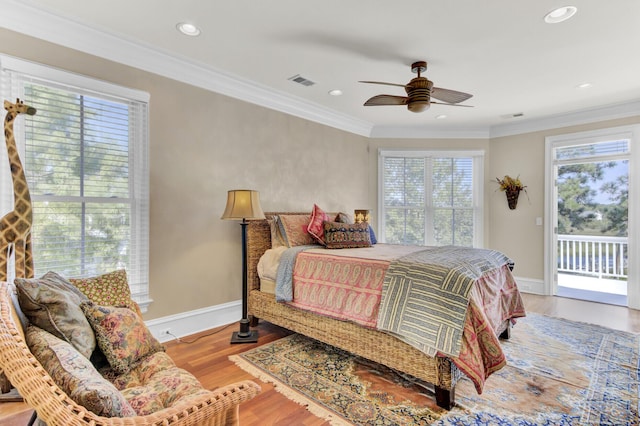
{"x":531,"y":285}
{"x":191,"y":322}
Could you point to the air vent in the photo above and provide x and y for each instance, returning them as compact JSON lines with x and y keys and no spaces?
{"x":514,"y":115}
{"x":301,"y":80}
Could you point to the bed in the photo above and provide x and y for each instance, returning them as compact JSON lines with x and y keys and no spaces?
{"x":490,"y":314}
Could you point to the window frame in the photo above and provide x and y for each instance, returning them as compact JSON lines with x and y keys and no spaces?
{"x":477,"y":157}
{"x":138,"y":154}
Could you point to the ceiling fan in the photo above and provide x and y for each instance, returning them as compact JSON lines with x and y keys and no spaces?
{"x":419,"y":90}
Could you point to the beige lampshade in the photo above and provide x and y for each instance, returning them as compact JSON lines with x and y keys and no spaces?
{"x":243,"y":204}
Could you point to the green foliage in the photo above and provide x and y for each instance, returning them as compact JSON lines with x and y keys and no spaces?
{"x":579,"y":213}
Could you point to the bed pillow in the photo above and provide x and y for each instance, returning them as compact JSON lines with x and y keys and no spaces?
{"x":122,"y":336}
{"x":372,"y":236}
{"x":110,"y":289}
{"x":76,"y":376}
{"x":276,"y":237}
{"x":293,"y":228}
{"x":344,"y":218}
{"x":53,"y":304}
{"x":315,"y":227}
{"x":346,"y":235}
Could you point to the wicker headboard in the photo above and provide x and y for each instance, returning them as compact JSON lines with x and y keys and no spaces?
{"x":259,"y":241}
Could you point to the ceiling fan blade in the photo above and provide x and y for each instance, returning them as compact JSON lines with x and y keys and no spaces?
{"x":382,"y":82}
{"x":387,"y":100}
{"x":446,"y":103}
{"x":449,"y":96}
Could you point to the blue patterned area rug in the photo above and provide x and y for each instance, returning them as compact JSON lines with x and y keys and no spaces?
{"x":559,"y":372}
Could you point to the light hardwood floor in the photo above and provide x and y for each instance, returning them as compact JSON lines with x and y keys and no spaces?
{"x":207,"y":358}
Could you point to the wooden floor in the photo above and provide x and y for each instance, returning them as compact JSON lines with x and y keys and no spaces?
{"x":206,"y":356}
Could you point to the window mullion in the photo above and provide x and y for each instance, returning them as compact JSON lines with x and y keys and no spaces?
{"x":83,"y":205}
{"x":428,"y":202}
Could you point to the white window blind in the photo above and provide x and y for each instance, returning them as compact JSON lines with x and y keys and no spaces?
{"x":431,"y":198}
{"x":85,"y":155}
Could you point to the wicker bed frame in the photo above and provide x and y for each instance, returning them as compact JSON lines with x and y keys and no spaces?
{"x":367,"y":343}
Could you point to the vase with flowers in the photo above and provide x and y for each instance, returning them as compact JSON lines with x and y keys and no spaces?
{"x":512,"y":188}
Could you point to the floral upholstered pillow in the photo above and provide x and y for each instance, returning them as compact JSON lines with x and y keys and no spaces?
{"x":347,"y":235}
{"x":110,"y":289}
{"x":122,"y":336}
{"x":76,"y":376}
{"x":293,"y":228}
{"x":53,"y":304}
{"x":315,"y":229}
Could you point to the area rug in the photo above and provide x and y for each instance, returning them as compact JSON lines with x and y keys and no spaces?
{"x":559,"y":372}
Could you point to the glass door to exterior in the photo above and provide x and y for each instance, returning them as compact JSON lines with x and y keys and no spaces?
{"x":591,"y":220}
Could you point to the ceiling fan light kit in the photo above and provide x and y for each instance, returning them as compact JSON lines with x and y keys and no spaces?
{"x":419,"y":90}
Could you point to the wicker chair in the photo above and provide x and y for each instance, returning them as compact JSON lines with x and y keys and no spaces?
{"x":53,"y":406}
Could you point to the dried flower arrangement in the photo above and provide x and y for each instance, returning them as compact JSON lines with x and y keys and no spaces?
{"x":512,"y":187}
{"x":510,"y":184}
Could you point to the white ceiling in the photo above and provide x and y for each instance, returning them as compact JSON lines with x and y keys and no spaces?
{"x":501,"y":51}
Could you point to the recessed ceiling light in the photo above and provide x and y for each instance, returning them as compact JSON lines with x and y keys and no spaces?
{"x":335,"y":92}
{"x":560,"y":14}
{"x":584,"y":85}
{"x":441,"y":117}
{"x":188,"y":29}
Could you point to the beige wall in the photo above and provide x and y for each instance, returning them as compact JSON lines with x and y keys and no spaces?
{"x":202,"y":145}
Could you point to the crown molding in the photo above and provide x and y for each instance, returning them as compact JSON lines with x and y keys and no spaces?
{"x":26,"y":19}
{"x":416,"y":132}
{"x":23,"y":18}
{"x":574,"y":118}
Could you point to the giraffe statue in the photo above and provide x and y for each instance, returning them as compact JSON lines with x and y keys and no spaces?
{"x":15,"y":226}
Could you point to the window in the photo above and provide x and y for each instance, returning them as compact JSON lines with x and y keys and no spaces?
{"x":431,"y":198}
{"x":85,"y":155}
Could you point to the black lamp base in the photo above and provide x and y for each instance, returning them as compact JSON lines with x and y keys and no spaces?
{"x":239,"y":337}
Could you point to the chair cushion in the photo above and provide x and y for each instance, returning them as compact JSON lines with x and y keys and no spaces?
{"x":76,"y":376}
{"x":53,"y":304}
{"x":156,"y":383}
{"x":121,"y":334}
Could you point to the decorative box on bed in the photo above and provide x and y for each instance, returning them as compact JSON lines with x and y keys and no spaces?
{"x":379,"y":346}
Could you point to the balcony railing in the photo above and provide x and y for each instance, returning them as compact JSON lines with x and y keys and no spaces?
{"x":603,"y":257}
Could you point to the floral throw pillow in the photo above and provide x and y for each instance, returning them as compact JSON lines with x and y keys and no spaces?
{"x":315,"y":229}
{"x":110,"y":289}
{"x":347,"y":235}
{"x":76,"y":376}
{"x":122,"y":336}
